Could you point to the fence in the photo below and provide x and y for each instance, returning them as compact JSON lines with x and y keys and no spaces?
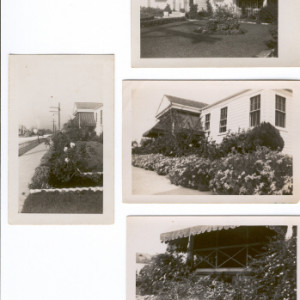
{"x":25,"y":147}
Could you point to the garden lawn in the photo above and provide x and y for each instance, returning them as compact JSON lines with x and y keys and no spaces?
{"x":180,"y":40}
{"x":84,"y":202}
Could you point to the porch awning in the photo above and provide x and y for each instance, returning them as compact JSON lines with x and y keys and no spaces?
{"x":183,"y":233}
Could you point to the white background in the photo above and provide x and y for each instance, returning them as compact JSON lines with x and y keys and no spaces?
{"x":88,"y":262}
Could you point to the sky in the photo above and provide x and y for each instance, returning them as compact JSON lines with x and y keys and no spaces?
{"x":41,"y":81}
{"x":146,"y":97}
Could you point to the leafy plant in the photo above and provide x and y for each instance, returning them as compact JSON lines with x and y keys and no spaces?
{"x":269,"y":14}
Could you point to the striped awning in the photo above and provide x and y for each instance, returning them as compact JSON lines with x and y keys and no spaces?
{"x":87,"y":119}
{"x":183,"y":233}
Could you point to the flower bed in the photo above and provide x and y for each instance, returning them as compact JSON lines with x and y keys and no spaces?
{"x":263,"y":172}
{"x":69,"y":164}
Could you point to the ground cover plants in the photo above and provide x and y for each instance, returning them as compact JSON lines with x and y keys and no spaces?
{"x":169,"y":276}
{"x":245,"y":163}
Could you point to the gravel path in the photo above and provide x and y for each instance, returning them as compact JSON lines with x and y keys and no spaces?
{"x":146,"y":182}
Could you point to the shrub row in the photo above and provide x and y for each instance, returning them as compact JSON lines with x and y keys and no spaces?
{"x":162,"y":21}
{"x":242,"y":142}
{"x":263,"y":172}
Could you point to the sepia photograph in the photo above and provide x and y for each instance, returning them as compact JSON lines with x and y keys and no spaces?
{"x":209,"y":139}
{"x":191,"y":258}
{"x":58,"y":108}
{"x":202,"y":29}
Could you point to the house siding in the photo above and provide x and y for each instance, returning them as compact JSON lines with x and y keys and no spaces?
{"x":238,"y":115}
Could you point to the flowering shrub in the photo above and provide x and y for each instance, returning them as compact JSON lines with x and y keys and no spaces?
{"x":40,"y":178}
{"x":263,"y":172}
{"x":192,"y":172}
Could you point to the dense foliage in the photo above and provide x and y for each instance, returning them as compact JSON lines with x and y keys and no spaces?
{"x":272,"y":277}
{"x":262,"y":172}
{"x":269,"y":14}
{"x":72,"y":152}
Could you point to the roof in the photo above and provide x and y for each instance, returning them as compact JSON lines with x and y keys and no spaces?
{"x":227,"y":98}
{"x":88,"y":105}
{"x":184,"y":233}
{"x":186,"y":102}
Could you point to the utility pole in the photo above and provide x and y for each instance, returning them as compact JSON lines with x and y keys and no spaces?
{"x":56,"y":110}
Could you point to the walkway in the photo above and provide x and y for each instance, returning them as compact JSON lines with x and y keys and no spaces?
{"x":146,"y":182}
{"x":27,"y":164}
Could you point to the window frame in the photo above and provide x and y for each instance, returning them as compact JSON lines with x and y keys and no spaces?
{"x":280,"y":111}
{"x":224,"y":119}
{"x":207,"y":122}
{"x":255,"y":110}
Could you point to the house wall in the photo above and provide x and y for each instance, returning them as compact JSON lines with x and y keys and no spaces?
{"x":99,"y":120}
{"x":238,"y":115}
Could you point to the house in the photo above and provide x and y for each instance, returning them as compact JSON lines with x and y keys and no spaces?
{"x":89,"y":114}
{"x":176,"y":114}
{"x":222,"y":249}
{"x":241,"y":111}
{"x":184,"y":5}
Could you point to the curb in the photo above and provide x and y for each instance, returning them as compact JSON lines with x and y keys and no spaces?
{"x":79,"y":189}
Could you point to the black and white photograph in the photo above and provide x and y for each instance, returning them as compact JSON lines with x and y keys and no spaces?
{"x":202,"y":29}
{"x":206,"y":139}
{"x":189,"y":258}
{"x":58,"y":105}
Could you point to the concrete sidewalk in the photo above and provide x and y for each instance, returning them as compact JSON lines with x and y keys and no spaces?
{"x":146,"y":182}
{"x":27,"y":164}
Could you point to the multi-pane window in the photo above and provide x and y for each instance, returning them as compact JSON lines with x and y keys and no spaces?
{"x":223,"y":120}
{"x":255,"y":111}
{"x":280,"y":111}
{"x":207,"y":122}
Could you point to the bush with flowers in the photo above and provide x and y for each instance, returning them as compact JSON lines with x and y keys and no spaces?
{"x":263,"y":172}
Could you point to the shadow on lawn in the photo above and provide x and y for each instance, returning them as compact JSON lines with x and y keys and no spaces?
{"x":194,"y":38}
{"x":84,"y":202}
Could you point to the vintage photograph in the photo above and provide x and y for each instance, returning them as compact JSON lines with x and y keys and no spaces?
{"x":202,"y":29}
{"x":58,"y":106}
{"x":215,"y":138}
{"x":190,"y":258}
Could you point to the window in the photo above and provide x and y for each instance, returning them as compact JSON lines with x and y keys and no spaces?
{"x":255,"y":111}
{"x":223,"y":120}
{"x":207,"y":122}
{"x":101,"y":117}
{"x":280,"y":111}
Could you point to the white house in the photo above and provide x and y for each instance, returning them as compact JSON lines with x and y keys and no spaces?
{"x":184,"y":5}
{"x":241,"y":111}
{"x":248,"y":109}
{"x":89,"y":114}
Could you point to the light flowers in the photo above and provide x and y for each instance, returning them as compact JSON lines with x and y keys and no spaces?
{"x":72,"y":145}
{"x":65,"y":149}
{"x":67,"y":160}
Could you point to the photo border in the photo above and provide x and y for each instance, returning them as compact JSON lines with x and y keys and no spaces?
{"x":128,"y":197}
{"x":107,"y":217}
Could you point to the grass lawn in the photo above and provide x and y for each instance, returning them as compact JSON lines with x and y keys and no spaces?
{"x":180,"y":40}
{"x":84,"y":202}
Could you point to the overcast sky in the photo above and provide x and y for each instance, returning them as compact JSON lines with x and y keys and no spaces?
{"x":41,"y":81}
{"x":147,"y":95}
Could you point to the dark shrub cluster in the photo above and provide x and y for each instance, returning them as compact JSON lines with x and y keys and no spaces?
{"x":193,"y":13}
{"x":146,"y":12}
{"x":161,"y":21}
{"x":269,"y":14}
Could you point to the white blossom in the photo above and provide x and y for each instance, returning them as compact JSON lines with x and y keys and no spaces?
{"x":65,"y":149}
{"x":72,"y":145}
{"x":67,"y":159}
